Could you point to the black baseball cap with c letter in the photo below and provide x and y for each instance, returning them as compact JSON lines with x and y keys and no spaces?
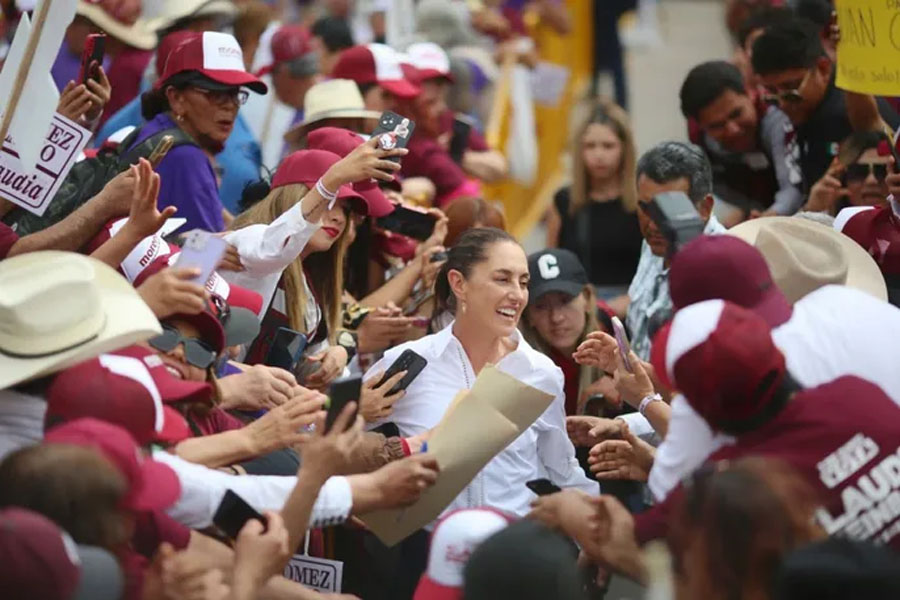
{"x":555,"y":270}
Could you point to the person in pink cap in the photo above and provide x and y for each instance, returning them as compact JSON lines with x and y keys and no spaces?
{"x":294,"y":67}
{"x":298,"y":236}
{"x":377,"y":70}
{"x":197,"y":97}
{"x":453,"y":541}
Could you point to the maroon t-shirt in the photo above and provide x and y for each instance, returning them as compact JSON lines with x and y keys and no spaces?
{"x":477,"y":143}
{"x":427,"y":158}
{"x":8,"y":238}
{"x":844,"y":439}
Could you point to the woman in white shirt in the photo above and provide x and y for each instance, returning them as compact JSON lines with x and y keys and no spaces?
{"x":484,"y":284}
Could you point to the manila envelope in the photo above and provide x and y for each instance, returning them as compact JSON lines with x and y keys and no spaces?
{"x":463,"y":443}
{"x":519,"y":402}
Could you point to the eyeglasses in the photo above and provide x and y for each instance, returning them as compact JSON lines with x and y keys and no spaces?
{"x":223,"y":97}
{"x":860,"y":171}
{"x":793,"y":96}
{"x":196,"y":352}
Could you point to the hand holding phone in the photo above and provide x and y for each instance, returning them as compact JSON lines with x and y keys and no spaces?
{"x":393,"y":131}
{"x":286,"y":349}
{"x":233,"y":513}
{"x":202,"y":250}
{"x":342,"y":392}
{"x":622,"y":343}
{"x":92,"y":57}
{"x":459,"y":140}
{"x":411,"y":222}
{"x":543,"y":487}
{"x":408,"y":361}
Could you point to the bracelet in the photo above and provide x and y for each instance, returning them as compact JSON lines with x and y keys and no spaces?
{"x":647,"y":401}
{"x":323,"y":191}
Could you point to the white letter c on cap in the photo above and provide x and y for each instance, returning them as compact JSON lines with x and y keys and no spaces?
{"x":548,"y":266}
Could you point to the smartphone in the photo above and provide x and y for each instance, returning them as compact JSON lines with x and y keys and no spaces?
{"x":438,"y":257}
{"x":286,"y":349}
{"x":202,"y":250}
{"x":159,"y":153}
{"x":459,"y":139}
{"x":395,"y":131}
{"x":408,"y":361}
{"x":622,"y":342}
{"x":233,"y":513}
{"x":340,"y":393}
{"x":410,"y":222}
{"x":543,"y":487}
{"x":92,"y":56}
{"x":676,"y":218}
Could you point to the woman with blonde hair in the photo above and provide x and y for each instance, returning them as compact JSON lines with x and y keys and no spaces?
{"x":595,"y":217}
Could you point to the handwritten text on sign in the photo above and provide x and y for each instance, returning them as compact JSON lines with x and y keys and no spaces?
{"x":868,"y":54}
{"x":33,"y":190}
{"x":319,"y":574}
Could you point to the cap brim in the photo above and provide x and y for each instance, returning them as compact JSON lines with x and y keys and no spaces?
{"x":101,"y":576}
{"x":569,"y":288}
{"x":208,"y":325}
{"x":428,"y":589}
{"x":400,"y":88}
{"x":241,"y":328}
{"x":377,"y":204}
{"x":237,"y":78}
{"x":774,"y":308}
{"x":426,"y":74}
{"x":159,"y":487}
{"x":174,"y":429}
{"x":862,"y":272}
{"x":128,"y":320}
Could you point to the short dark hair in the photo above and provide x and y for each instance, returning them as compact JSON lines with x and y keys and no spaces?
{"x":816,"y":11}
{"x":669,"y":161}
{"x":335,"y":33}
{"x":706,"y":82}
{"x":793,"y":44}
{"x":761,"y":19}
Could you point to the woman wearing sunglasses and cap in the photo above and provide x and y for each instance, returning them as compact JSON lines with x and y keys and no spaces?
{"x":857,"y":176}
{"x":198,"y":95}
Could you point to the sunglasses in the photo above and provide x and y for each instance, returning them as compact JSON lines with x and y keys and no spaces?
{"x":196,"y":352}
{"x":860,"y":171}
{"x":793,"y":96}
{"x":223,"y":97}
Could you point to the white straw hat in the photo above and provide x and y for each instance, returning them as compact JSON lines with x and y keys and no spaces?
{"x":60,"y":308}
{"x":137,"y":34}
{"x":332,"y":99}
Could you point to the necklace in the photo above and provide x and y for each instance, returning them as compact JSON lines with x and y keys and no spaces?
{"x":462,"y":362}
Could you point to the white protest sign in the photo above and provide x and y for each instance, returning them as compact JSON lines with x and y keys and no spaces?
{"x":25,"y":80}
{"x":34,"y":188}
{"x":320,"y":574}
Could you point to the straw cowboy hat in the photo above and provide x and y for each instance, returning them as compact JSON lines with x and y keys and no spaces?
{"x":804,"y":256}
{"x":120,"y":20}
{"x":60,"y":308}
{"x":332,"y":99}
{"x":168,"y":12}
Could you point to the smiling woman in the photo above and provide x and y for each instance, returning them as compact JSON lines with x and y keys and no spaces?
{"x":199,"y":93}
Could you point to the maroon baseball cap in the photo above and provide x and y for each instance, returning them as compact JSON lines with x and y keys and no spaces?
{"x":168,"y":44}
{"x":306,"y":167}
{"x":119,"y":390}
{"x":375,"y":63}
{"x":291,"y":43}
{"x":877,"y":230}
{"x":171,"y":389}
{"x":152,"y":485}
{"x":215,"y":55}
{"x":727,"y":268}
{"x":36,"y":559}
{"x":722,"y":358}
{"x":342,"y":142}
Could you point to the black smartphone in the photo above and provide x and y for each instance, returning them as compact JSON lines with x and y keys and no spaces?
{"x":394,"y":131}
{"x":543,"y":487}
{"x":407,"y":221}
{"x":340,"y":393}
{"x":408,"y":361}
{"x":233,"y":513}
{"x":286,"y":349}
{"x":92,"y":56}
{"x":676,"y":217}
{"x":459,"y":139}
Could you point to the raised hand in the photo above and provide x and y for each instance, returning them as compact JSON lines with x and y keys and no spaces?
{"x":374,"y":401}
{"x":144,"y":219}
{"x":171,"y":291}
{"x":629,"y":458}
{"x":587,"y":431}
{"x":632,"y":386}
{"x":599,"y":350}
{"x":260,"y":552}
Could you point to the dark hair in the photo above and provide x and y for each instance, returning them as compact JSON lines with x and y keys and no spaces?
{"x":469,"y":250}
{"x":155,"y":101}
{"x":335,"y":33}
{"x":356,"y":267}
{"x":706,"y":82}
{"x":860,"y":141}
{"x":761,"y":19}
{"x":793,"y":44}
{"x":669,"y":161}
{"x":816,"y":11}
{"x":365,"y":87}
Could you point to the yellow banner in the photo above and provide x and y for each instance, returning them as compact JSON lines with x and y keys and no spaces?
{"x":868,"y":55}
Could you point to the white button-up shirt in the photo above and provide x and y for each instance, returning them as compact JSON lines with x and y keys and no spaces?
{"x":833,"y":332}
{"x":543,"y":450}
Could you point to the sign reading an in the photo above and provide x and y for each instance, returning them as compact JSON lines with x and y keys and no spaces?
{"x":868,"y":55}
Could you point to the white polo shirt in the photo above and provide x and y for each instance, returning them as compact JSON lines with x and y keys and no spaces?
{"x":543,"y":450}
{"x":833,"y":332}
